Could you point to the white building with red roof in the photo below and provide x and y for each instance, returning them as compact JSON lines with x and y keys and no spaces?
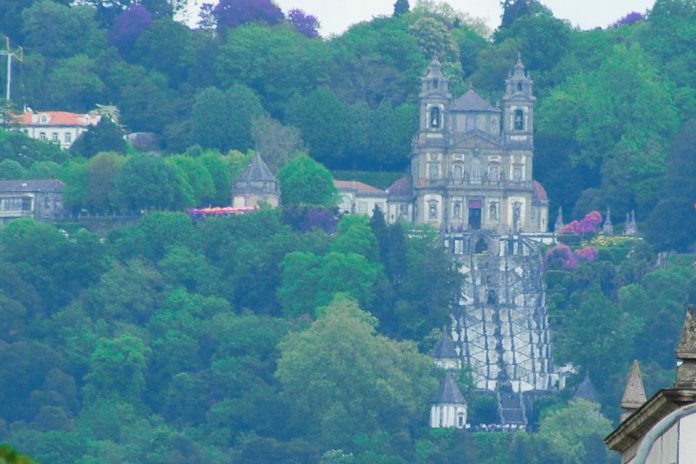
{"x":60,"y":127}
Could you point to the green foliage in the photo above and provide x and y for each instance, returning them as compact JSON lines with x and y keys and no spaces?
{"x":10,"y":456}
{"x":104,"y":137}
{"x":223,"y":120}
{"x":303,"y":181}
{"x":344,"y":379}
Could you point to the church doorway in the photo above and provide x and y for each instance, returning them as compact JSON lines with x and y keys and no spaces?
{"x":475,"y":214}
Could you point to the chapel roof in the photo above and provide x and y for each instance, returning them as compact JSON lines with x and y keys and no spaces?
{"x":471,"y":101}
{"x":586,"y":391}
{"x":256,"y":171}
{"x":31,"y":185}
{"x":444,"y":348}
{"x":449,"y":392}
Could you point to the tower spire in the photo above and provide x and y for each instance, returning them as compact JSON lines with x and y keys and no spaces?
{"x":559,"y":221}
{"x":686,"y":352}
{"x":608,"y":227}
{"x":634,"y":393}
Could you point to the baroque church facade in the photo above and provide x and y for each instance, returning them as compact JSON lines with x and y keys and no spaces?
{"x":471,"y":164}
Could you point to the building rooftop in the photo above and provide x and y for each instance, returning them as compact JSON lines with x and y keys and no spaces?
{"x":586,"y":391}
{"x":449,"y":392}
{"x":471,"y":101}
{"x":539,"y":192}
{"x":401,"y":188}
{"x":358,"y":187}
{"x":57,"y":118}
{"x":256,"y":171}
{"x":31,"y":186}
{"x":444,"y":348}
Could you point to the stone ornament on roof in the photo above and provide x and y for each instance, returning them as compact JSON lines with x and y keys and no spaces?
{"x":634,"y":393}
{"x":687,"y":343}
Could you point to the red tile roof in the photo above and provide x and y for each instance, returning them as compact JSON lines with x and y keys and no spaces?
{"x":57,"y":118}
{"x":539,"y":192}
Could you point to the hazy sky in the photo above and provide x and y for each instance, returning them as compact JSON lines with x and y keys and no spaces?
{"x":336,"y":15}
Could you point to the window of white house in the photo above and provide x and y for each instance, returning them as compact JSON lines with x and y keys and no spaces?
{"x":362,"y":207}
{"x":432,"y":209}
{"x":457,"y":210}
{"x":517,"y":173}
{"x":54,"y":137}
{"x":403,"y":209}
{"x":68,"y":137}
{"x":42,"y":136}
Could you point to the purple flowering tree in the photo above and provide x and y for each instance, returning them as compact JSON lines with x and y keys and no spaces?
{"x":563,"y":257}
{"x":128,"y":26}
{"x":305,"y":24}
{"x":631,"y":18}
{"x":233,"y":13}
{"x":586,"y":226}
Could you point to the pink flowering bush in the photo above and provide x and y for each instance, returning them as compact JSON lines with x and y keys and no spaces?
{"x":562,"y":257}
{"x":587,"y":225}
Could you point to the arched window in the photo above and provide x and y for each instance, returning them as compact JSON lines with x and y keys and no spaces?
{"x":519,"y":86}
{"x":435,"y":117}
{"x":519,"y":120}
{"x":492,"y":298}
{"x":458,"y":171}
{"x":457,"y":210}
{"x":436,"y":83}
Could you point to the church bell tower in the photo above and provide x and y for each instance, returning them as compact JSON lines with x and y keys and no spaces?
{"x":518,"y":106}
{"x":434,"y":98}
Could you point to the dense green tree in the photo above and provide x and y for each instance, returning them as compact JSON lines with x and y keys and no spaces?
{"x":11,"y":169}
{"x":303,"y":181}
{"x":385,"y":377}
{"x":166,"y":46}
{"x":223,"y":120}
{"x":85,"y":88}
{"x":197,"y":176}
{"x":674,"y":217}
{"x":567,"y":430}
{"x":117,"y":367}
{"x":104,"y":137}
{"x":401,"y":7}
{"x":102,"y":170}
{"x":323,"y":120}
{"x":145,"y":182}
{"x":275,"y":62}
{"x":59,"y":31}
{"x":10,"y":456}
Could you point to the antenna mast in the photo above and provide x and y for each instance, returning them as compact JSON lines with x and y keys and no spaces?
{"x":17,"y":54}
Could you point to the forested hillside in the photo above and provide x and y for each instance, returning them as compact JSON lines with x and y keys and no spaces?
{"x":294,"y":335}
